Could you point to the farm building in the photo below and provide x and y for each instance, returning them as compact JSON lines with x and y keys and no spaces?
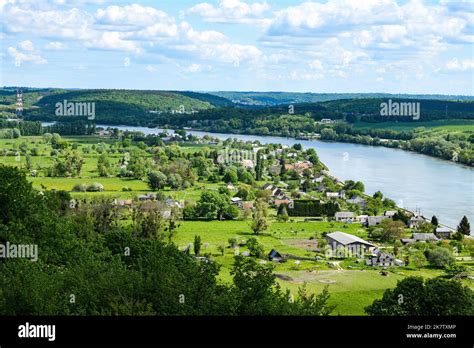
{"x":344,"y":240}
{"x":344,"y":216}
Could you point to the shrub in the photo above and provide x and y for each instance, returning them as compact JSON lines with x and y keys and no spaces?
{"x":439,"y":257}
{"x":80,"y":188}
{"x":95,"y":187}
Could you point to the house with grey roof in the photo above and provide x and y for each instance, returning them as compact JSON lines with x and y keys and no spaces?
{"x":357,"y":200}
{"x":357,"y":246}
{"x":344,"y":216}
{"x":425,"y":237}
{"x":443,"y":232}
{"x":416,"y":221}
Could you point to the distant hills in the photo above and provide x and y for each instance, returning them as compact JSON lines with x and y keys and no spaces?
{"x":111,"y":105}
{"x":238,"y":109}
{"x":279,"y":98}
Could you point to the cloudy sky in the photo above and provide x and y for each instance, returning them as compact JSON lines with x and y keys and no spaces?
{"x":311,"y":46}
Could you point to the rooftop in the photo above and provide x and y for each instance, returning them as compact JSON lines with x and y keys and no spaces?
{"x":345,"y":238}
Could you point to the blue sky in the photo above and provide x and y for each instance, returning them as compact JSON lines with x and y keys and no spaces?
{"x":304,"y":46}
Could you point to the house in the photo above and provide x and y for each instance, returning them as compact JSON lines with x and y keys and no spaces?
{"x":357,"y":246}
{"x":104,"y":133}
{"x":425,"y":237}
{"x":416,"y":221}
{"x":344,"y":216}
{"x":172,"y":203}
{"x":248,"y":164}
{"x":289,"y":166}
{"x":236,"y":201}
{"x":284,"y":200}
{"x":406,"y":241}
{"x":147,"y":197}
{"x":398,"y":262}
{"x":230,"y":186}
{"x":332,"y":194}
{"x":318,"y":179}
{"x":326,"y":121}
{"x":443,"y":232}
{"x":276,"y":192}
{"x":302,"y":165}
{"x":123,"y":202}
{"x":390,"y":213}
{"x":375,"y":220}
{"x":357,"y":200}
{"x":362,"y":218}
{"x":274,"y":255}
{"x":379,"y":258}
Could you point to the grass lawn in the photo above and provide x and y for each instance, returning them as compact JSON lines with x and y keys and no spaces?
{"x":351,"y":290}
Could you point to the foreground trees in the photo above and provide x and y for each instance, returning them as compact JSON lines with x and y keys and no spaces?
{"x":414,"y":296}
{"x":89,"y":265}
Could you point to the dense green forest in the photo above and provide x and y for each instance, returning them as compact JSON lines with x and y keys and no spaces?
{"x":278,"y":98}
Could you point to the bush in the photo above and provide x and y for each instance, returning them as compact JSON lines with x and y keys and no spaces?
{"x":255,"y":248}
{"x":439,"y":257}
{"x":80,"y":188}
{"x":95,"y":187}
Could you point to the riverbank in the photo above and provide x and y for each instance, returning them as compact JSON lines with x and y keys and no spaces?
{"x":423,"y":142}
{"x":416,"y":182}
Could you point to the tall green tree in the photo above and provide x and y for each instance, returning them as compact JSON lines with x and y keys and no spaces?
{"x":259,"y":166}
{"x":464,"y":226}
{"x":197,"y":245}
{"x":156,"y":180}
{"x":259,"y":217}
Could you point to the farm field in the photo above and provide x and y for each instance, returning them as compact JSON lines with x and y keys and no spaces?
{"x":351,"y":289}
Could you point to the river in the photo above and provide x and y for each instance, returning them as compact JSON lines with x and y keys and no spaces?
{"x":414,"y":181}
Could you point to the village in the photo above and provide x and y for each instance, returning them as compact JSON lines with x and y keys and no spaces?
{"x":218,"y":199}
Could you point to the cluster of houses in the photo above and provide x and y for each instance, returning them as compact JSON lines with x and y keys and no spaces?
{"x":165,"y":207}
{"x":278,"y":195}
{"x":366,"y":220}
{"x":438,"y":234}
{"x":237,"y":201}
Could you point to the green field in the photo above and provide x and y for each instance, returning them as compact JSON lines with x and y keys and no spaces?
{"x":351,"y":289}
